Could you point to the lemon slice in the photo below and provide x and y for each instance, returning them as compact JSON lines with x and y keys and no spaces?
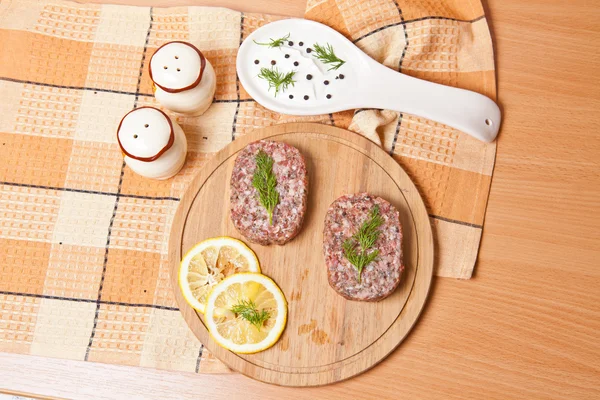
{"x":246,"y":313}
{"x":208,"y":263}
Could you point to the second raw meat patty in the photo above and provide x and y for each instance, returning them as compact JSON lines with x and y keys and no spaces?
{"x":379,"y":277}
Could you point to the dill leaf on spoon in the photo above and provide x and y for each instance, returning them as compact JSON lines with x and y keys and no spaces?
{"x":274,"y":42}
{"x":277,"y":79}
{"x":327,"y":56}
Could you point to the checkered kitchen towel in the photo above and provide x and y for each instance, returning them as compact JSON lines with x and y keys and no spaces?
{"x":83,"y":240}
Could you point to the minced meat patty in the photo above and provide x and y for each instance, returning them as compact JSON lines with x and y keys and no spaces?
{"x":380,"y":277}
{"x":248,"y":215}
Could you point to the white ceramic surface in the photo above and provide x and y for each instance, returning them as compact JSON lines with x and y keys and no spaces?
{"x":144,"y":133}
{"x":176,"y":67}
{"x":366,"y":83}
{"x":193,"y":101}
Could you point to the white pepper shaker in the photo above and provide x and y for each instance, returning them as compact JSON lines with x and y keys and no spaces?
{"x":184,"y":80}
{"x":153,"y":145}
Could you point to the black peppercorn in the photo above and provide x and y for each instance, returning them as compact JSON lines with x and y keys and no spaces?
{"x":309,"y":77}
{"x":308,"y":50}
{"x":341,"y":76}
{"x":326,"y":82}
{"x":287,"y":56}
{"x":301,"y":44}
{"x":256,"y":61}
{"x":290,"y":43}
{"x":273,"y":62}
{"x":328,"y":96}
{"x":305,"y":97}
{"x":291,"y":96}
{"x":296,"y":63}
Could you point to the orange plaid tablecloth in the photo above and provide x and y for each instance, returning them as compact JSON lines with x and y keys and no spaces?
{"x":83,"y":240}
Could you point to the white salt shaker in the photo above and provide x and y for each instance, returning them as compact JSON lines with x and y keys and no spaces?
{"x":153,"y":145}
{"x":184,"y":80}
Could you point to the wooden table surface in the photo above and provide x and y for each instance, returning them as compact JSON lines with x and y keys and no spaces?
{"x":528,"y":324}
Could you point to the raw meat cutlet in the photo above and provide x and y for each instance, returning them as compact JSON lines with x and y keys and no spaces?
{"x":380,"y":277}
{"x":249,"y":216}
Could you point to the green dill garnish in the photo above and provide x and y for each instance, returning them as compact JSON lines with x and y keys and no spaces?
{"x":327,"y":56}
{"x":275,"y":42}
{"x":248,"y":311}
{"x":356,"y":248}
{"x":277,"y":79}
{"x":265,"y":182}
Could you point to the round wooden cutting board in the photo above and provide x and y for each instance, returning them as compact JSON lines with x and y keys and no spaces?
{"x":327,"y":338}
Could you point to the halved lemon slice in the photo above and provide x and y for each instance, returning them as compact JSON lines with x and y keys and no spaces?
{"x":246,"y":313}
{"x":208,"y":263}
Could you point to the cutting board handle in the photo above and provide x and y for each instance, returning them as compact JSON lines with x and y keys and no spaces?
{"x":467,"y":111}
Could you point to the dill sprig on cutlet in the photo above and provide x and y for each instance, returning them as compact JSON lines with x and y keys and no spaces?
{"x":356,"y":248}
{"x":265,"y":182}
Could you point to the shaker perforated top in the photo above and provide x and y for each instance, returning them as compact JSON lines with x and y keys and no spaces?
{"x":145,"y":133}
{"x":177,"y":66}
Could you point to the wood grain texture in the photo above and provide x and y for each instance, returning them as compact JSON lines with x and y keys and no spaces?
{"x":327,"y":338}
{"x":526,"y":325}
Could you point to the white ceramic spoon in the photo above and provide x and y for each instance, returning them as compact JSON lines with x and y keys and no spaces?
{"x":365,"y":84}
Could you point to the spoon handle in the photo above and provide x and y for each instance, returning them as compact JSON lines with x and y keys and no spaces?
{"x":470,"y":112}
